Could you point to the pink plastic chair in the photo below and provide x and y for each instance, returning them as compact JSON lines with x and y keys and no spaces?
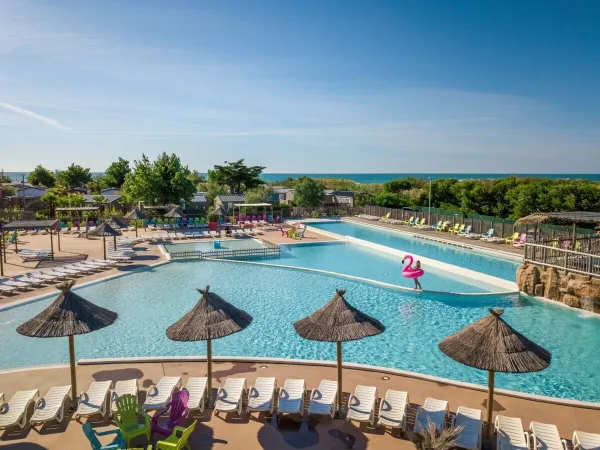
{"x":177,"y":410}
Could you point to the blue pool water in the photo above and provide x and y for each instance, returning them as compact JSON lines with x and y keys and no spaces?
{"x":358,"y":261}
{"x":225,"y":244}
{"x":501,"y":268}
{"x":150,"y":300}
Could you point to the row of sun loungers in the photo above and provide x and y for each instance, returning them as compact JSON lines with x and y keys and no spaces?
{"x":100,"y":399}
{"x":39,"y":278}
{"x":201,"y":235}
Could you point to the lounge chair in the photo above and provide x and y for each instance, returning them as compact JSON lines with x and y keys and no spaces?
{"x":15,"y":284}
{"x":454,"y":229}
{"x":121,"y":388}
{"x":65,"y":271}
{"x":393,"y":410}
{"x":178,"y":440}
{"x":545,"y":437}
{"x":43,"y":277}
{"x":471,"y":422}
{"x":160,"y":394}
{"x":14,"y":413}
{"x":32,"y":281}
{"x":510,"y":434}
{"x":466,"y":231}
{"x":409,"y":221}
{"x":94,"y":400}
{"x":92,"y":435}
{"x":432,"y":410}
{"x":585,"y":441}
{"x":291,"y":397}
{"x":7,"y":289}
{"x":361,"y":404}
{"x":196,"y":388}
{"x":323,"y":398}
{"x":521,"y":241}
{"x":214,"y":234}
{"x":229,"y":396}
{"x":458,"y":230}
{"x":512,"y":239}
{"x":51,"y":406}
{"x":176,"y":410}
{"x":261,"y":396}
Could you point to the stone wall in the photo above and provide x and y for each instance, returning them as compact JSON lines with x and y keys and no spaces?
{"x":572,"y":289}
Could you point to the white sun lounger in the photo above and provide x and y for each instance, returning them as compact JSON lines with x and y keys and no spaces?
{"x":196,"y":388}
{"x":361,"y":404}
{"x":7,"y":289}
{"x":393,"y":410}
{"x":586,"y":441}
{"x":471,"y":421}
{"x":41,"y":276}
{"x":160,"y":394}
{"x":546,"y":437}
{"x":123,"y":387}
{"x":510,"y":434}
{"x":432,"y":410}
{"x":213,"y":234}
{"x":15,"y":284}
{"x":261,"y":396}
{"x":94,"y":400}
{"x":323,"y":398}
{"x":51,"y":406}
{"x":33,"y":281}
{"x":291,"y":397}
{"x":229,"y":396}
{"x":14,"y":413}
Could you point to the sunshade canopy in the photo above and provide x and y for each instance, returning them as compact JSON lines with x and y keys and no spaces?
{"x":104,"y":229}
{"x":571,"y":217}
{"x":219,"y":211}
{"x":338,"y":321}
{"x":16,"y":224}
{"x":211,"y":318}
{"x":136,"y":214}
{"x":175,"y":213}
{"x":68,"y":315}
{"x":491,"y":344}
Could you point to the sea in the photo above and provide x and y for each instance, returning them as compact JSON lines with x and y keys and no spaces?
{"x":368,"y":178}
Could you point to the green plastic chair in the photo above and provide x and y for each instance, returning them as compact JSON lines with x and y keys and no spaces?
{"x":177,"y":443}
{"x":126,"y":418}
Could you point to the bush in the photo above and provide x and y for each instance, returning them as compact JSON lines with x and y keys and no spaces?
{"x":315,"y":214}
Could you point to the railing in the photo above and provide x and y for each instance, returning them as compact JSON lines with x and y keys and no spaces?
{"x":563,"y":259}
{"x":269,"y":251}
{"x":589,"y":244}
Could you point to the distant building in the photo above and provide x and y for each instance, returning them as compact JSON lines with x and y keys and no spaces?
{"x":197,"y":205}
{"x":339,"y":198}
{"x":82,"y":191}
{"x":226,"y":201}
{"x":109,"y":200}
{"x":110,"y":191}
{"x":31,"y":191}
{"x":284,"y":195}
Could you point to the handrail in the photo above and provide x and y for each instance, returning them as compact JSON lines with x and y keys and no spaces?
{"x":563,"y":259}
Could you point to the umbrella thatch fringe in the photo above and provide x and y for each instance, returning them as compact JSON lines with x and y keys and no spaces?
{"x":136,"y":214}
{"x":492,"y":344}
{"x":338,"y":321}
{"x":104,"y":229}
{"x":211,"y":318}
{"x":68,"y":315}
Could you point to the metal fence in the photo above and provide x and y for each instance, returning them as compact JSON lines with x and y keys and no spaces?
{"x":269,"y":251}
{"x":481,"y":224}
{"x":560,"y":258}
{"x":297,"y":211}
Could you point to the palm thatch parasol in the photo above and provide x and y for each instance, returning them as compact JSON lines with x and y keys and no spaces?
{"x":175,"y":213}
{"x":116,"y":223}
{"x":136,"y":215}
{"x":493,"y":345}
{"x":68,"y":315}
{"x":211,"y":318}
{"x":338,"y":321}
{"x":218,"y":211}
{"x":104,"y":229}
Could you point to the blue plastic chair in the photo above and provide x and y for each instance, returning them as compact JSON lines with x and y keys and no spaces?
{"x":92,"y":435}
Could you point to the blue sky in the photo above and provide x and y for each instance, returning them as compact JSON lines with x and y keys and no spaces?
{"x":311,"y":86}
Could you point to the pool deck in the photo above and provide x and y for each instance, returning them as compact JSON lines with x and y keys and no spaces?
{"x":74,"y":249}
{"x":258,"y":431}
{"x":452,"y":238}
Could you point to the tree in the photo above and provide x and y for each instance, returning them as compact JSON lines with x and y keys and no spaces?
{"x":238,"y":176}
{"x":116,"y":173}
{"x":391,"y":200}
{"x":97,"y":184}
{"x":4,"y":178}
{"x":162,"y":182}
{"x":74,"y":176}
{"x":41,"y":176}
{"x":309,"y":193}
{"x":53,"y":197}
{"x":197,"y":178}
{"x":260,"y":194}
{"x":403,"y":184}
{"x":99,"y":200}
{"x":8,"y":191}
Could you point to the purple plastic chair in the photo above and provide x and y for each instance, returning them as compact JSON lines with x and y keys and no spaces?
{"x":177,"y":410}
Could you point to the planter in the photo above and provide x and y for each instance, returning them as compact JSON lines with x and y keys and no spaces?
{"x":212,"y":226}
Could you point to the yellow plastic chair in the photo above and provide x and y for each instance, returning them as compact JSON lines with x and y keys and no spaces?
{"x":174,"y":442}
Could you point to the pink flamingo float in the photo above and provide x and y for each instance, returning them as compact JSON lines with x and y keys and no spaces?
{"x":410,"y":272}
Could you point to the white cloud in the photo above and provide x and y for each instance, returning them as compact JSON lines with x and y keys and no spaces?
{"x":35,"y":116}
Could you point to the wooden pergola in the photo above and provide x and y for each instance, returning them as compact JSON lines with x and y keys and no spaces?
{"x":22,"y":224}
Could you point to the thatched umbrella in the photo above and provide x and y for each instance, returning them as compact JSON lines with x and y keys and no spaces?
{"x":211,"y":318}
{"x":136,"y":215}
{"x":104,"y":229}
{"x":338,"y":321}
{"x":493,"y":345}
{"x":68,"y":315}
{"x":116,"y":223}
{"x":218,"y":211}
{"x":175,"y":213}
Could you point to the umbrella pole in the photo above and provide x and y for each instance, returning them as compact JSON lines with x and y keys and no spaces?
{"x":74,"y":394}
{"x":490,"y":402}
{"x":104,"y":246}
{"x":209,"y":370}
{"x":339,"y":370}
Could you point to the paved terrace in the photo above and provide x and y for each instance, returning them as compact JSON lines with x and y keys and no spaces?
{"x":75,"y":249}
{"x":445,"y":236}
{"x":258,"y":431}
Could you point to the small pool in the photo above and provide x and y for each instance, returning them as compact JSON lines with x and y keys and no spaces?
{"x":497,"y":267}
{"x":150,"y":300}
{"x":225,"y":244}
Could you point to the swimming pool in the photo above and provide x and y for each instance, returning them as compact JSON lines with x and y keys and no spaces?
{"x":150,"y":300}
{"x":498,"y":267}
{"x":225,"y":244}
